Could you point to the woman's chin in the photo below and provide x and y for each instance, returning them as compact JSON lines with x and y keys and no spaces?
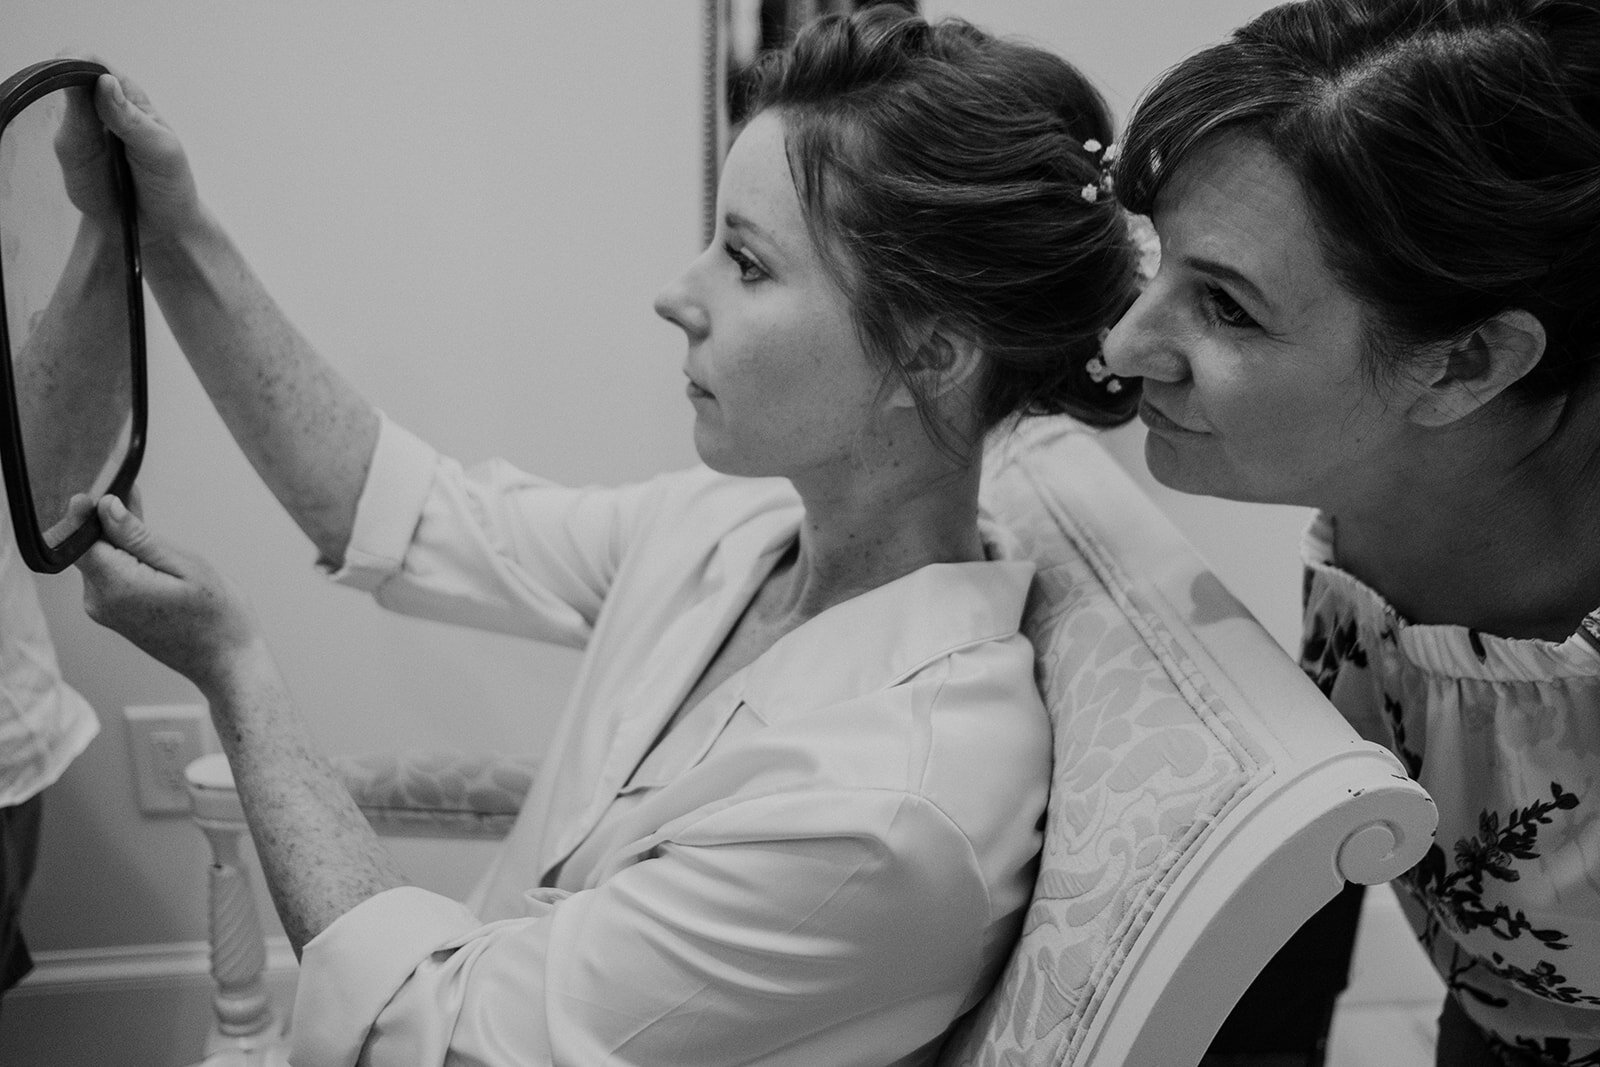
{"x":1169,"y":466}
{"x":717,"y":455}
{"x":1182,"y":473}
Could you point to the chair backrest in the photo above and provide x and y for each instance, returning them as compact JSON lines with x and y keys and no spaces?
{"x":1206,"y":798}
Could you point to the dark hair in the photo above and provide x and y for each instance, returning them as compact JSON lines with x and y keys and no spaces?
{"x":1449,"y":151}
{"x":944,"y":174}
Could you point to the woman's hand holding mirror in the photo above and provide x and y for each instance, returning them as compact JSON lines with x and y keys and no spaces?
{"x":168,"y":199}
{"x":169,"y":602}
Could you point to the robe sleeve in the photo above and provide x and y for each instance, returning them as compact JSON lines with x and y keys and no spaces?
{"x":787,"y":928}
{"x":490,"y":547}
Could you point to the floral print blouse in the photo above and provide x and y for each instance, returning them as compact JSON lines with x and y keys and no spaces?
{"x":1505,"y":734}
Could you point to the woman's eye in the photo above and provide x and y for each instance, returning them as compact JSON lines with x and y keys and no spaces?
{"x":749,"y":269}
{"x":1225,"y":309}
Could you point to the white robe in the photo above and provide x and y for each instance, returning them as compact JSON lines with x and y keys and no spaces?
{"x":825,"y":862}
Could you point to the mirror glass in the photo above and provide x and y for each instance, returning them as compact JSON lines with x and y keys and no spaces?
{"x":73,"y":332}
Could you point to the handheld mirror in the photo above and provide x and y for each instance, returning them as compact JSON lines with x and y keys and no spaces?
{"x":72,"y":365}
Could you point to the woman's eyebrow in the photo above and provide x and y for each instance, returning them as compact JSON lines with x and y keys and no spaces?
{"x":735,"y":221}
{"x":1230,"y":275}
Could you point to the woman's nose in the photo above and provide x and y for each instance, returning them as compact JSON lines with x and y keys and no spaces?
{"x":1143,"y":343}
{"x":677,"y":304}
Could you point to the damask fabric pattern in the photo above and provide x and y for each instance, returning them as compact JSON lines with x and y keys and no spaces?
{"x":438,"y":793}
{"x":1505,"y":734}
{"x":1134,"y":794}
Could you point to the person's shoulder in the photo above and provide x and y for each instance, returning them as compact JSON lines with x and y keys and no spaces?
{"x":987,"y":697}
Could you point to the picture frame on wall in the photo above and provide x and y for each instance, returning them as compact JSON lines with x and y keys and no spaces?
{"x":736,"y":33}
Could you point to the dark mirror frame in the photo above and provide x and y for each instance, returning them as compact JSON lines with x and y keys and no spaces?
{"x":16,"y":94}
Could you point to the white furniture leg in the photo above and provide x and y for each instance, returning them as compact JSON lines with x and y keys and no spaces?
{"x":245,"y":1031}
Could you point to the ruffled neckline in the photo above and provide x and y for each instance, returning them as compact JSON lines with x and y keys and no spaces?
{"x":1458,"y":651}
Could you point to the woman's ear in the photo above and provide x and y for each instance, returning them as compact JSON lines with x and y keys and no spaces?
{"x":944,"y":363}
{"x":1473,"y":371}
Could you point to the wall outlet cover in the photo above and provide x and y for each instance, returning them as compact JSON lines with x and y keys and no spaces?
{"x":163,"y":739}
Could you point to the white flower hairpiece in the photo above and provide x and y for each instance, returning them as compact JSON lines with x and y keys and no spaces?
{"x":1104,"y":156}
{"x":1146,"y":245}
{"x":1102,"y":375}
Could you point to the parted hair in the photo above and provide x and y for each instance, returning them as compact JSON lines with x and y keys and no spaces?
{"x":943,"y":172}
{"x":1449,"y":151}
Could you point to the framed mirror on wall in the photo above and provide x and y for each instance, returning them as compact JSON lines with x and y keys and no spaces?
{"x":72,"y":370}
{"x":736,"y":32}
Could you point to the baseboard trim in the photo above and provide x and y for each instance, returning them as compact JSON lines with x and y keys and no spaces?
{"x":114,"y":967}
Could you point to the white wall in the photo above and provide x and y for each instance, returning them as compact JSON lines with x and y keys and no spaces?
{"x":468,"y":206}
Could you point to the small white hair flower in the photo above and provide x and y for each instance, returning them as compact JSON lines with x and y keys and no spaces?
{"x":1146,"y":245}
{"x":1091,"y":193}
{"x":1098,"y":371}
{"x":1091,"y":145}
{"x":1114,"y":385}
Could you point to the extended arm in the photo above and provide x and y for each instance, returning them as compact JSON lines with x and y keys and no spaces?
{"x":306,"y":430}
{"x":320,"y":856}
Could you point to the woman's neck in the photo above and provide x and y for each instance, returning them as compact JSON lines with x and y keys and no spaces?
{"x":863,"y":532}
{"x":1497,"y":529}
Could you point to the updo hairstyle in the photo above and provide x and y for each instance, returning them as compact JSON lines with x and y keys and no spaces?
{"x":1449,"y":151}
{"x":944,"y":175}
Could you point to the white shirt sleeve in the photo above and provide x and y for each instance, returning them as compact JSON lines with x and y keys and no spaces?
{"x":489,"y":547}
{"x":44,"y":722}
{"x":793,"y":928}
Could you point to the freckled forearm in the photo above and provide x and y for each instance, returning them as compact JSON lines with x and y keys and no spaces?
{"x":319,"y":854}
{"x":305,"y":429}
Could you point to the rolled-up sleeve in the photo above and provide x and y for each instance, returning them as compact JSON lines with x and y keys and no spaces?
{"x":490,"y":547}
{"x":398,"y":481}
{"x":760,"y":933}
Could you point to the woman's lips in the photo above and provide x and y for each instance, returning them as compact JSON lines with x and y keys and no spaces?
{"x":1155,"y":419}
